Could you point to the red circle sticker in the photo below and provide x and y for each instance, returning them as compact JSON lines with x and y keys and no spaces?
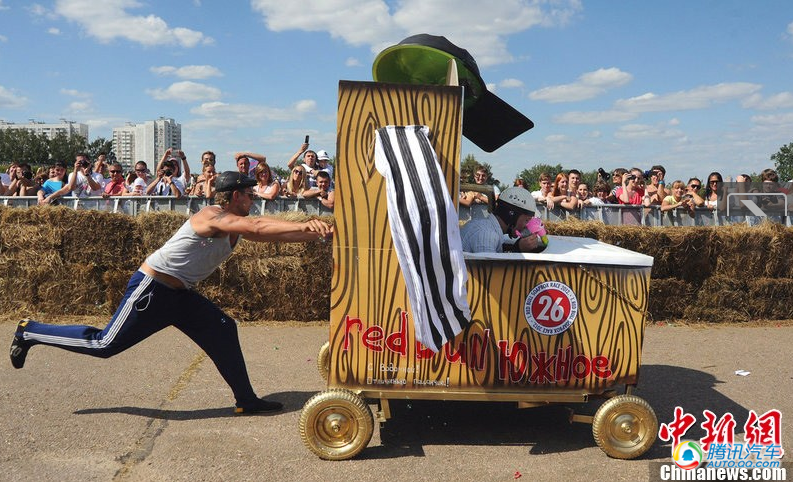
{"x":550,"y":308}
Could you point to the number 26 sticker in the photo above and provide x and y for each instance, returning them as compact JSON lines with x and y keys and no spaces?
{"x":551,"y":308}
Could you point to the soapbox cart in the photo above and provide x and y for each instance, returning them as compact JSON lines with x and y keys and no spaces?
{"x":562,"y":326}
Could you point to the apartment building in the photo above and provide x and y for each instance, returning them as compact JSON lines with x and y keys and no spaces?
{"x":50,"y":130}
{"x":146,"y":141}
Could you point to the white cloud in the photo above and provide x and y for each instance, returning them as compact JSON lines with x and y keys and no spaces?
{"x":379,"y":24}
{"x":75,"y":93}
{"x":697,"y":98}
{"x":588,"y":85}
{"x":594,"y":117}
{"x":10,"y":100}
{"x":105,"y":123}
{"x":305,"y":106}
{"x":3,"y":7}
{"x":39,"y":10}
{"x":556,"y":138}
{"x":790,"y":28}
{"x":773,"y":120}
{"x":220,"y":115}
{"x":109,"y":20}
{"x":783,"y":100}
{"x":53,"y":31}
{"x":352,"y":62}
{"x":188,"y":71}
{"x":643,"y":131}
{"x":3,"y":38}
{"x":186,"y":91}
{"x":80,"y":107}
{"x":356,"y":22}
{"x":511,"y":83}
{"x":83,"y":105}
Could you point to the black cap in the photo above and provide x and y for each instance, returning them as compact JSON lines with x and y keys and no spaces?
{"x":488,"y":121}
{"x":233,"y":180}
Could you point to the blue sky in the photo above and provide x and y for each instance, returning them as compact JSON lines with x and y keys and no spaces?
{"x":696,"y":85}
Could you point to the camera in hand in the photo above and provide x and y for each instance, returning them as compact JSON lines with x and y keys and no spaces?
{"x":168,"y":172}
{"x":27,"y":174}
{"x":630,"y":177}
{"x":602,"y":173}
{"x":85,"y":164}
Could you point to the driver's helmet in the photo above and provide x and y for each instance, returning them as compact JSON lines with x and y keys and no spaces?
{"x":512,"y":202}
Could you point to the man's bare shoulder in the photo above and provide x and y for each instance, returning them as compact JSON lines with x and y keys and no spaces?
{"x":208,"y":221}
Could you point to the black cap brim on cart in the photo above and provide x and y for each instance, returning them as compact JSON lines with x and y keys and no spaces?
{"x":488,"y":121}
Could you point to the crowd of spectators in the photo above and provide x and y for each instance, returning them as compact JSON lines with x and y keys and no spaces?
{"x":648,"y":188}
{"x":567,"y":193}
{"x":311,"y":176}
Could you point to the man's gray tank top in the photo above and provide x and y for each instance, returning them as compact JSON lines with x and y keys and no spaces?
{"x":190,"y":258}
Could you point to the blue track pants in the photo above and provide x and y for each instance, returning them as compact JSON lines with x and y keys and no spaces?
{"x":149,"y":306}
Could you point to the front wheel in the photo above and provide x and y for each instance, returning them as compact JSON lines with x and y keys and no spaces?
{"x":625,"y":427}
{"x":336,"y":424}
{"x":323,"y":361}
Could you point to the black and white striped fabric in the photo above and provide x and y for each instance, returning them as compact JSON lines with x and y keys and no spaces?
{"x":425,"y":228}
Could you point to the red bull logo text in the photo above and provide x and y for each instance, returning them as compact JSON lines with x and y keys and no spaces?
{"x":516,"y":362}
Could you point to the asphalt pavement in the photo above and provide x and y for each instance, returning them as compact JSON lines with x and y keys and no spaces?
{"x":161,"y":412}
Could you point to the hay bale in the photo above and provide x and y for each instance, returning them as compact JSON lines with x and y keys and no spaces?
{"x":71,"y":289}
{"x":25,"y":272}
{"x":693,"y":252}
{"x":577,"y":228}
{"x":770,"y":298}
{"x":679,"y":252}
{"x":30,"y":230}
{"x":721,"y":298}
{"x":712,"y":274}
{"x":780,"y":263}
{"x":15,"y":289}
{"x":273,"y":288}
{"x":114,"y":285}
{"x":112,"y":249}
{"x":669,"y":298}
{"x":746,"y":251}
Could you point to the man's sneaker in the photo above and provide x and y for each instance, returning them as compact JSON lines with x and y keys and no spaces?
{"x":19,"y":347}
{"x":259,"y":406}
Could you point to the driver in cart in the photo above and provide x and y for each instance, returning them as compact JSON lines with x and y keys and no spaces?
{"x":507,"y":228}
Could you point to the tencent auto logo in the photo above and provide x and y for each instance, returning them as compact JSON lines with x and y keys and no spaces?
{"x":688,"y":455}
{"x":551,"y":308}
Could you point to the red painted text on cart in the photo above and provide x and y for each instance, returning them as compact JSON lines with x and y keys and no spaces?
{"x":516,"y":362}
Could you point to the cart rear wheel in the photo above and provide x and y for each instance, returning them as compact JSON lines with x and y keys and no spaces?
{"x":625,"y":427}
{"x":323,"y":360}
{"x":336,"y":424}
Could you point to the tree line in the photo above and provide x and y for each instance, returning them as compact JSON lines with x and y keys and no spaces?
{"x":22,"y":145}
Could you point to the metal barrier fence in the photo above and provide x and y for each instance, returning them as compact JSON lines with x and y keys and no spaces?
{"x":134,"y":205}
{"x":613,"y":214}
